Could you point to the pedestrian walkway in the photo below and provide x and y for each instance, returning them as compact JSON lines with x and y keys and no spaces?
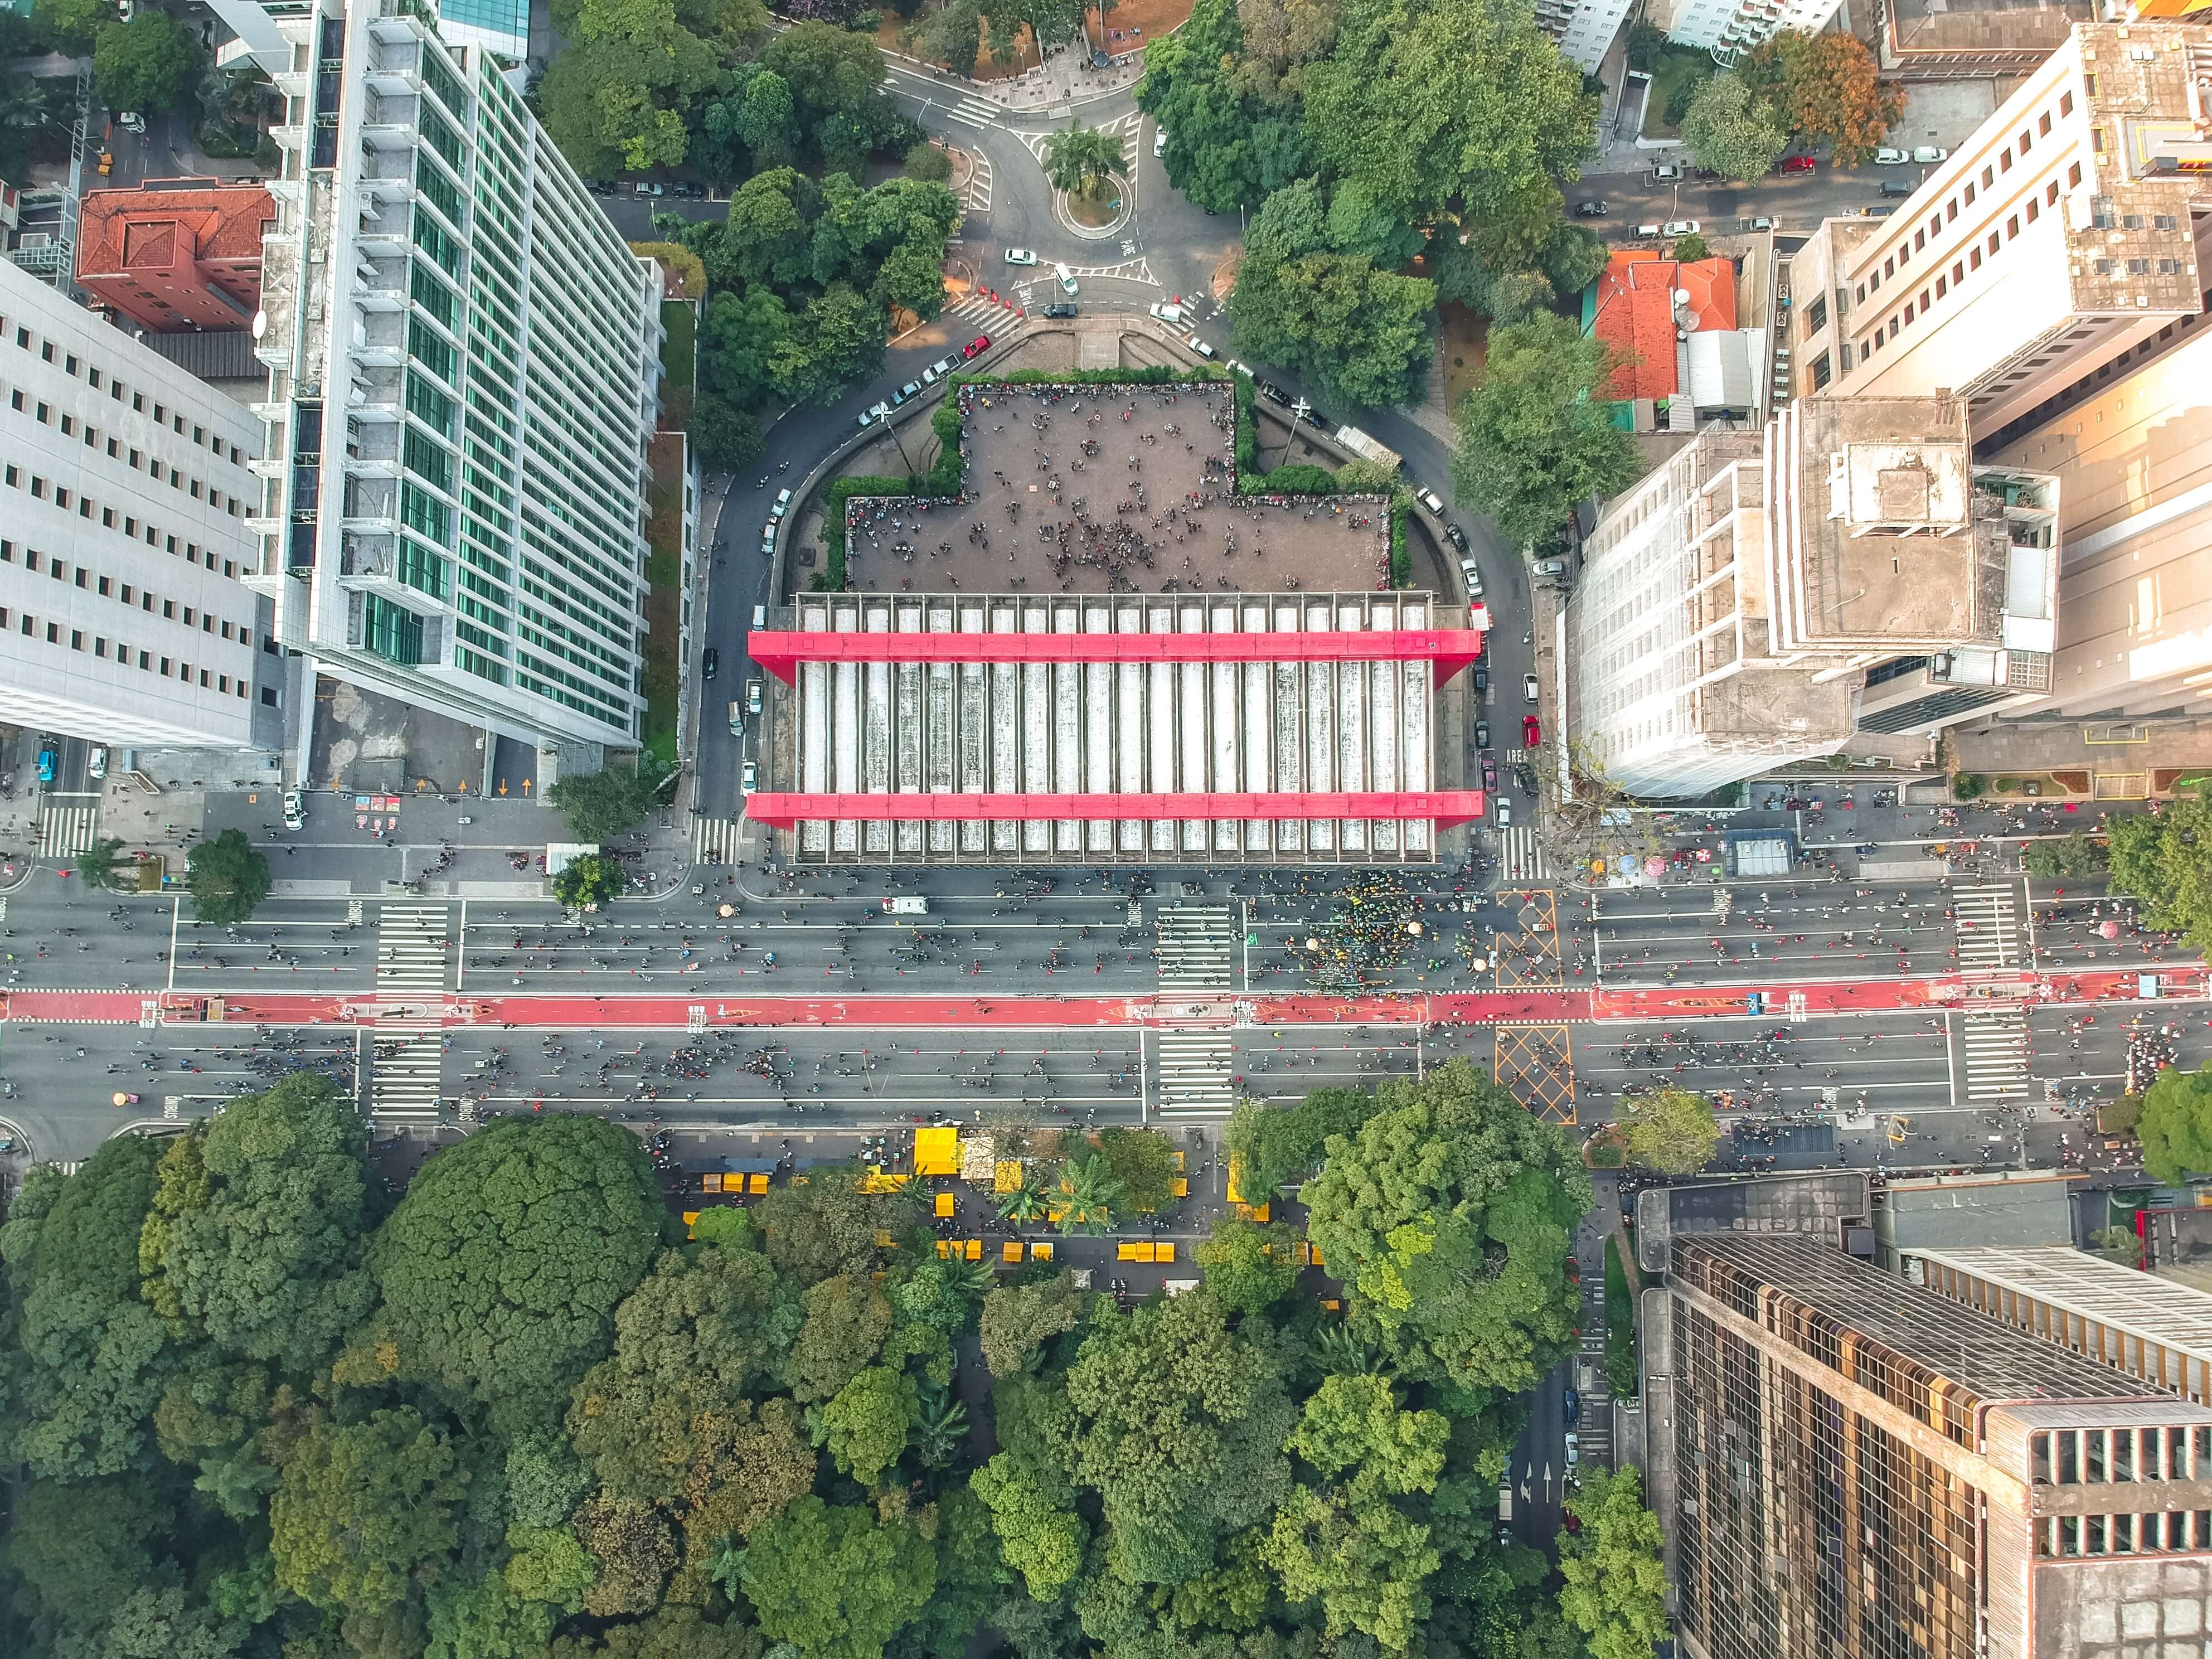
{"x":713,"y":841}
{"x":1520,"y":857}
{"x":970,"y":112}
{"x":1196,"y":941}
{"x":1195,"y":1074}
{"x":979,"y":182}
{"x":1987,"y":926}
{"x":988,"y":316}
{"x":1995,"y":1049}
{"x":67,"y":826}
{"x":407,"y":1057}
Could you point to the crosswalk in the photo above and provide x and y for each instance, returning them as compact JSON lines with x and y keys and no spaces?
{"x":970,"y":112}
{"x":989,"y":316}
{"x":1520,"y":856}
{"x":407,"y":1059}
{"x":1195,"y":1066}
{"x":1995,"y":1049}
{"x":1987,"y":926}
{"x":1129,"y":128}
{"x":65,"y":831}
{"x":979,"y":183}
{"x":713,"y":841}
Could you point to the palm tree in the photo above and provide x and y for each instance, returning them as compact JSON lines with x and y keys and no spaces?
{"x":95,"y":866}
{"x":939,"y":1420}
{"x":1338,"y":1353}
{"x":1088,"y":1193}
{"x":1081,"y":160}
{"x":1025,"y":1203}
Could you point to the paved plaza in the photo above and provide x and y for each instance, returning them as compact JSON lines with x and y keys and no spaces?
{"x":1108,"y":490}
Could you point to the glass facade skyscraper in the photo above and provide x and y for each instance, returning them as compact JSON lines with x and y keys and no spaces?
{"x":464,"y":373}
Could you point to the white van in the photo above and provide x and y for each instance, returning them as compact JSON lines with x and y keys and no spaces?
{"x":1169,"y":315}
{"x":1066,"y":282}
{"x":737,"y":719}
{"x":1159,"y":143}
{"x":1647,"y":230}
{"x":760,"y":615}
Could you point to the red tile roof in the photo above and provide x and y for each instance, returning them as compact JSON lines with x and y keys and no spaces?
{"x":218,"y":221}
{"x":1636,"y":315}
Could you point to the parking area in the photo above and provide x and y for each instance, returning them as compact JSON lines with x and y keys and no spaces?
{"x":1110,"y":489}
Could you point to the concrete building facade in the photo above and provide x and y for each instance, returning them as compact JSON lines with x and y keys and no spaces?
{"x":1750,"y":603}
{"x":124,"y":486}
{"x":1584,"y":28}
{"x":2068,"y":228}
{"x":175,"y":255}
{"x":463,"y":373}
{"x":1729,"y":28}
{"x":982,"y":728}
{"x":1863,"y":1466}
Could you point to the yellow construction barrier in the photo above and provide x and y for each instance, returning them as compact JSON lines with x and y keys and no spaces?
{"x":1137,"y":1253}
{"x":1181,"y":1186}
{"x":974,"y":1249}
{"x":1166,"y":1253}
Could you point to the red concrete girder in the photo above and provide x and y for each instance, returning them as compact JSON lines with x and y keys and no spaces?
{"x":1449,"y":649}
{"x":1446,"y":806}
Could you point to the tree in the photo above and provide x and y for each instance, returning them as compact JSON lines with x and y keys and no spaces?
{"x":1143,"y":1162}
{"x":669,"y":1632}
{"x":1018,"y":1319}
{"x":2118,"y":1245}
{"x":1179,"y":1428}
{"x":95,"y":866}
{"x":602,"y":803}
{"x":226,"y":876}
{"x":1088,"y":1193}
{"x":363,"y":1507}
{"x":1040,"y":1535}
{"x":2164,"y":860}
{"x":828,"y":1226}
{"x":1537,"y":438}
{"x":1081,"y":160}
{"x":1276,"y":1146}
{"x":1027,"y":1199}
{"x":159,"y":1623}
{"x":2069,"y":857}
{"x":847,"y":1320}
{"x":1248,"y":1267}
{"x":1356,"y":331}
{"x":145,"y":64}
{"x":2176,"y":1129}
{"x":632,"y":1553}
{"x":1828,"y":91}
{"x":1226,"y":150}
{"x":1450,"y":1216}
{"x":1733,"y":131}
{"x":503,"y":1266}
{"x":932,"y":163}
{"x":864,"y":1425}
{"x":255,"y":1238}
{"x":73,"y":25}
{"x":614,"y":100}
{"x":78,"y":1549}
{"x":942,"y":1291}
{"x":485,"y":1619}
{"x":584,"y":883}
{"x":1616,"y":1586}
{"x":92,"y":1355}
{"x":1691,"y":248}
{"x":834,"y":1582}
{"x":1670,"y":1130}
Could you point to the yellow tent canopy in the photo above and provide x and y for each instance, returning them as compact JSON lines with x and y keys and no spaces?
{"x":937,"y":1152}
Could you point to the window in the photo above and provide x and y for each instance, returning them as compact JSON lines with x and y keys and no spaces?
{"x":77,"y":639}
{"x":1861,"y":293}
{"x":2043,"y":123}
{"x":92,"y":379}
{"x":1958,"y":271}
{"x":1989,"y":177}
{"x":46,"y":415}
{"x":2004,"y":159}
{"x":83,"y":576}
{"x":2097,"y":140}
{"x":137,"y":403}
{"x":1951,"y":211}
{"x":2138,"y":267}
{"x":1919,"y":241}
{"x":2012,"y":228}
{"x":69,"y":426}
{"x":106,"y":583}
{"x":1994,"y":243}
{"x":2034,"y":210}
{"x":1970,"y":193}
{"x":16,"y":400}
{"x":1816,"y":315}
{"x":2065,"y":103}
{"x":2027,"y":143}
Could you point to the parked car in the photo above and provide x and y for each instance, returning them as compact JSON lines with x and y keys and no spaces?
{"x":981,"y":343}
{"x":753,"y":694}
{"x":600,"y":186}
{"x":1762,"y":224}
{"x":95,"y":765}
{"x":1929,"y":154}
{"x":1882,"y":212}
{"x":1647,"y":232}
{"x":880,"y":409}
{"x":1574,"y":1404}
{"x":710,"y":663}
{"x":690,"y":189}
{"x":782,"y":504}
{"x":1680,"y":227}
{"x":1162,"y":311}
{"x":1797,"y":164}
{"x":1159,"y":141}
{"x":1490,"y":773}
{"x":1482,"y":734}
{"x":1529,"y":690}
{"x":1667,"y":172}
{"x":912,"y":388}
{"x":1549,"y":568}
{"x":1574,"y":1448}
{"x":939,"y":369}
{"x":1481,"y":681}
{"x":1532,"y":732}
{"x":1273,"y":394}
{"x":749,"y":780}
{"x":1062,"y":309}
{"x":1430,"y":499}
{"x":1458,"y":537}
{"x":295,"y":810}
{"x":1200,"y":347}
{"x":1888,"y":156}
{"x":1591,"y":209}
{"x":47,"y":761}
{"x":1471,"y":572}
{"x":1504,"y":809}
{"x":1525,"y":775}
{"x":897,"y":399}
{"x":647,"y":187}
{"x":1021,"y":256}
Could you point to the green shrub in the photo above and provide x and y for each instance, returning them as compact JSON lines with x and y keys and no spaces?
{"x":1402,"y":556}
{"x":1621,"y":1372}
{"x":1608,"y":1154}
{"x":1966,"y":785}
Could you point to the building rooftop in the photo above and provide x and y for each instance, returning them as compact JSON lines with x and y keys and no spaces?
{"x":2142,"y":1304}
{"x":2011,"y":1209}
{"x":1638,"y":315}
{"x":1818,"y":1205}
{"x":122,"y":229}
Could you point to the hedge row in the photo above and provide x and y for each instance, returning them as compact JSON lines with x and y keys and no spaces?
{"x":942,"y":478}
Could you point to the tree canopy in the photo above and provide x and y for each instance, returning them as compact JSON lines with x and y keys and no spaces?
{"x":1733,"y":131}
{"x":1826,"y":91}
{"x":2164,"y":860}
{"x":1670,"y":1130}
{"x":601,"y":804}
{"x":1616,"y":1585}
{"x":226,"y":878}
{"x":2176,"y":1126}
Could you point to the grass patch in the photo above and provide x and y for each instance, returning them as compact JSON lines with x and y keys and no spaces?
{"x":1674,"y":81}
{"x":663,"y":604}
{"x":1621,"y":1375}
{"x":679,"y":359}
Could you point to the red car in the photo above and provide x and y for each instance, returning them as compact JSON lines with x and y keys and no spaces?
{"x":1796,"y":164}
{"x":980,"y":342}
{"x":1532,"y":732}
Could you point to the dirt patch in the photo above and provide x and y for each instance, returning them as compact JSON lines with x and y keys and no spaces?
{"x":1465,"y":334}
{"x":1224,"y":276}
{"x":1134,"y":24}
{"x":986,"y":67}
{"x":1098,"y":207}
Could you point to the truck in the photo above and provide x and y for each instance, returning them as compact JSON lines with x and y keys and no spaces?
{"x":906,"y":907}
{"x":1367,"y":448}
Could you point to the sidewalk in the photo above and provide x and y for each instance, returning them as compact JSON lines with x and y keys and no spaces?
{"x":1062,"y":80}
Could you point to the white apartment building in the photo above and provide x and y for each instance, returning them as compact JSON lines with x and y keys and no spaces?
{"x":1740,"y":608}
{"x":1584,"y":28}
{"x":2065,"y":231}
{"x":124,"y":484}
{"x":1729,"y":28}
{"x":464,"y":375}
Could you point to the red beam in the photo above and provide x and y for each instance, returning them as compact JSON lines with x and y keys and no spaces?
{"x":1446,"y":806}
{"x":1450,"y":648}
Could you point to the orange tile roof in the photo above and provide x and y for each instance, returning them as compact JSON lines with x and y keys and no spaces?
{"x":1635,"y":314}
{"x":221,"y":222}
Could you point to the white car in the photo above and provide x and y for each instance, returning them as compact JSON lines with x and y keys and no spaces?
{"x":937,"y":370}
{"x":1472,"y":572}
{"x":1574,"y":1448}
{"x":1159,"y":141}
{"x":295,"y":813}
{"x":782,"y":504}
{"x":1927,"y":155}
{"x":750,"y":780}
{"x":1021,"y":256}
{"x":1431,"y":500}
{"x":1162,"y":311}
{"x":95,"y":765}
{"x":1067,"y":280}
{"x":1529,"y":690}
{"x":1200,"y":346}
{"x":1888,"y":156}
{"x":1680,"y":227}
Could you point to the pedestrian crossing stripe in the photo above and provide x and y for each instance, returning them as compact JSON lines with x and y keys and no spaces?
{"x":1996,"y":1049}
{"x":713,"y":841}
{"x":972,"y":111}
{"x":64,"y":832}
{"x":1520,"y":856}
{"x":1194,"y":1066}
{"x":1987,"y":927}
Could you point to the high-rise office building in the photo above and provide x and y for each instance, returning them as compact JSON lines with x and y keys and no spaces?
{"x":501,"y":27}
{"x":1853,"y":1465}
{"x":125,"y":485}
{"x":463,"y":373}
{"x":1760,"y":596}
{"x":2064,"y":231}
